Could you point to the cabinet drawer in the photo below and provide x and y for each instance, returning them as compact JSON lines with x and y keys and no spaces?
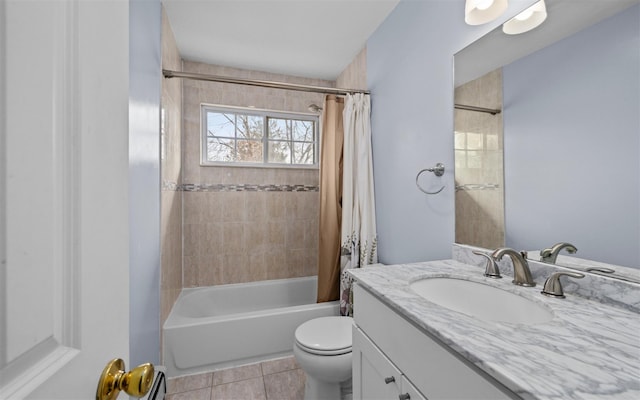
{"x":435,"y":371}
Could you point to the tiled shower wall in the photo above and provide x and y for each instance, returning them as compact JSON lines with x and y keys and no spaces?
{"x":479,"y":164}
{"x":233,"y":224}
{"x":171,"y":198}
{"x":244,"y":224}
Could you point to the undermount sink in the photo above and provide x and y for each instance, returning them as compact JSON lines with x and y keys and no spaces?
{"x":481,"y":301}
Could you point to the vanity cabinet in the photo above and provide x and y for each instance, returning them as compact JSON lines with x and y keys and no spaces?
{"x":387,"y":345}
{"x":374,"y":376}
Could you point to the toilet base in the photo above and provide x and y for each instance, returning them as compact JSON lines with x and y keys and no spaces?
{"x":327,"y":377}
{"x":319,"y":390}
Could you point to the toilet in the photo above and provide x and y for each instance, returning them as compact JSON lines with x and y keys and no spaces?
{"x":322,"y":348}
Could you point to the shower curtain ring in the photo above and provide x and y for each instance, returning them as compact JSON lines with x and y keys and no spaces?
{"x":438,"y":170}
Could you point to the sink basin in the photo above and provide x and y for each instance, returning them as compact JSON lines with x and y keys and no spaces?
{"x":481,"y":301}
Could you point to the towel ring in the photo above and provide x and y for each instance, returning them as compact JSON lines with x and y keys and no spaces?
{"x":438,"y":170}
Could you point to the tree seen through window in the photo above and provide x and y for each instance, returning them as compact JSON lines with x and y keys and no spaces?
{"x":234,"y":137}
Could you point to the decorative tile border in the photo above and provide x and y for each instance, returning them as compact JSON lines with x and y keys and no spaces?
{"x":219,"y":187}
{"x":168,"y":186}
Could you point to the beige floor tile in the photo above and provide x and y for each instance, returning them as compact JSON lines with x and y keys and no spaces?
{"x":190,"y":382}
{"x":250,"y":389}
{"x":288,"y":385}
{"x":200,"y":394}
{"x":237,"y":374}
{"x":279,"y":365}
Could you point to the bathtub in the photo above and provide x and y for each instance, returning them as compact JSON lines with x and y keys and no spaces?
{"x":228,"y":325}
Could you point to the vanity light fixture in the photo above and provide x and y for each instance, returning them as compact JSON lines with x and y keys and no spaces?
{"x":478,"y":12}
{"x":526,"y":20}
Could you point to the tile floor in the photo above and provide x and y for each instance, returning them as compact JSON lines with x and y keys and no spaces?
{"x":278,"y":379}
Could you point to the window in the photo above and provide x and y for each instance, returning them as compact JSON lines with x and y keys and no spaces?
{"x":253,"y":137}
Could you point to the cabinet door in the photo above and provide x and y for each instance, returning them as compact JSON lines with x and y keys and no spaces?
{"x":409,"y":390}
{"x":374,"y":376}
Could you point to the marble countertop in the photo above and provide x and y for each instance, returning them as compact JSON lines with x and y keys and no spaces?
{"x":590,"y":350}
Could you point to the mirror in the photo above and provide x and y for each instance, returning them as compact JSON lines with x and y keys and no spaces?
{"x":568,"y":134}
{"x":560,"y":258}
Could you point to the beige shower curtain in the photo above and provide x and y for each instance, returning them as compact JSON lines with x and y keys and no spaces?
{"x":330,"y":197}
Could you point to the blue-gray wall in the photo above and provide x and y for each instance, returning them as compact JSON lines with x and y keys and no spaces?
{"x":572,"y":143}
{"x":144,"y":180}
{"x":410,"y":75}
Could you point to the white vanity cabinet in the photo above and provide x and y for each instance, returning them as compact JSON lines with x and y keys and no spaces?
{"x":374,"y":376}
{"x":386,"y":345}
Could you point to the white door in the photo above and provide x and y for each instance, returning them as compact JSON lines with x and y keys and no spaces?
{"x":64,"y":277}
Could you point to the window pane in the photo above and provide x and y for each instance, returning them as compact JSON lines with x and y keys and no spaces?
{"x":303,"y":153}
{"x":302,"y":131}
{"x":279,"y":128}
{"x":474,"y":141}
{"x":233,"y":136}
{"x":219,"y":124}
{"x":249,"y":127}
{"x":249,"y":151}
{"x":220,"y":149}
{"x":279,"y":152}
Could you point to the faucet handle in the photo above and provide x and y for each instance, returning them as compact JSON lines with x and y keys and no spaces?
{"x":553,"y":287}
{"x":491,"y":269}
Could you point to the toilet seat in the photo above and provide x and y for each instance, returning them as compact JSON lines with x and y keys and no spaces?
{"x":327,"y":336}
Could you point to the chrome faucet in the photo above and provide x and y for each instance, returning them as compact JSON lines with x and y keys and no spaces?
{"x":551,"y":254}
{"x":521,"y":272}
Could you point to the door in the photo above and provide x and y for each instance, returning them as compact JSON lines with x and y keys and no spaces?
{"x":64,"y":275}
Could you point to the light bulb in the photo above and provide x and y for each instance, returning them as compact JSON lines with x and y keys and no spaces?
{"x":483,"y":4}
{"x":526,"y":20}
{"x":525,"y":15}
{"x":477,"y":12}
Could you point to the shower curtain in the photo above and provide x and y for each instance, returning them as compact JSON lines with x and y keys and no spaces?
{"x":347,"y":209}
{"x":330,"y":199}
{"x":358,"y":231}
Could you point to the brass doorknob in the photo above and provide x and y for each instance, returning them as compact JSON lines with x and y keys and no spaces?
{"x":136,"y":382}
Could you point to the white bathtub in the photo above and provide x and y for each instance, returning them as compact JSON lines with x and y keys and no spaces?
{"x":228,"y":325}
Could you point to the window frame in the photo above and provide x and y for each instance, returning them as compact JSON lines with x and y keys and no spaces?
{"x":266,"y":114}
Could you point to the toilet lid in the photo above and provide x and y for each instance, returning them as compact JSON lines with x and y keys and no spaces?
{"x":325,"y":335}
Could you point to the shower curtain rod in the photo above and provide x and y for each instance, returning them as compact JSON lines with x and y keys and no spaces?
{"x":293,"y":86}
{"x":269,"y":84}
{"x":491,"y":111}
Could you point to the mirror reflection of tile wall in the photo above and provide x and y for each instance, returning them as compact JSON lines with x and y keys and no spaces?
{"x":479,"y":174}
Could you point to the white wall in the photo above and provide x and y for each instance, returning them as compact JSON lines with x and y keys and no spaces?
{"x":144,"y":180}
{"x":410,"y":75}
{"x":572,"y":143}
